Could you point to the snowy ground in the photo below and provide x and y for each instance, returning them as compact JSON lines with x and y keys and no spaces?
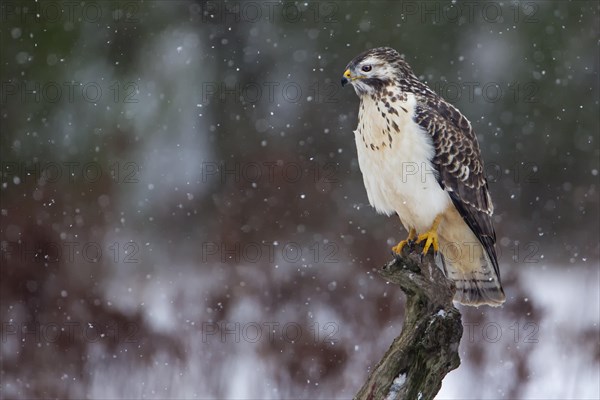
{"x":549,"y":353}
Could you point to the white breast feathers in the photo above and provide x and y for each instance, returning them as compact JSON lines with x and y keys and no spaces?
{"x":394,"y":154}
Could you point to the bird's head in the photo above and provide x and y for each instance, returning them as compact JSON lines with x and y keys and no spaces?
{"x":375,"y":69}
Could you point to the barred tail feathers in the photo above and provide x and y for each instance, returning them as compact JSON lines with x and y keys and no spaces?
{"x":477,"y":282}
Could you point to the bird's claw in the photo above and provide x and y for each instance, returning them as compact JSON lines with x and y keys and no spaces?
{"x":397,"y":250}
{"x":431,"y":241}
{"x":410,"y":241}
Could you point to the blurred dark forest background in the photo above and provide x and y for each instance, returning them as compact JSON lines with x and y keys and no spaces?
{"x":182,"y":213}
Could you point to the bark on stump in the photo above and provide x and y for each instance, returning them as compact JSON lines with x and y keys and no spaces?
{"x":427,"y":348}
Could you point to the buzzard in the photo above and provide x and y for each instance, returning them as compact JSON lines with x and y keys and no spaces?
{"x":420,"y":159}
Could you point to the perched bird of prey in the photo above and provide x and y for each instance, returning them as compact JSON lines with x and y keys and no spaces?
{"x":420,"y":159}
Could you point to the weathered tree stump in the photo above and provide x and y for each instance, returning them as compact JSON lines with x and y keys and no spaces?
{"x":427,"y":348}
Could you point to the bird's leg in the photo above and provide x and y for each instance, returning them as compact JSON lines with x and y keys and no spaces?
{"x":412,"y":235}
{"x":431,"y":237}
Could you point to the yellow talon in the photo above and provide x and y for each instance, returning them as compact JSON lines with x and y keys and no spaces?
{"x":431,"y":237}
{"x":412,"y":234}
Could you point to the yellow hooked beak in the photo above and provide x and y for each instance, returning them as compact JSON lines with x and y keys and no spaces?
{"x":346,"y":78}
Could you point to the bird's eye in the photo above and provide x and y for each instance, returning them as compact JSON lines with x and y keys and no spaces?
{"x":366,"y":68}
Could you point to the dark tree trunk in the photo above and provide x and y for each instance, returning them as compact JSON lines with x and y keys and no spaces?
{"x":427,"y":348}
